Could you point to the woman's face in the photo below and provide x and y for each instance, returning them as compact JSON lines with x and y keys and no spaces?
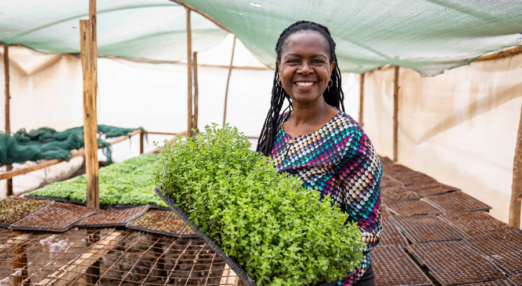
{"x":305,"y":67}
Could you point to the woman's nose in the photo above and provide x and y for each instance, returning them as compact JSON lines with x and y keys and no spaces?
{"x":305,"y":69}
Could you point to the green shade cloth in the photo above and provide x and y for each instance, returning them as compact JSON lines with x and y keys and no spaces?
{"x":428,"y":36}
{"x":45,"y":143}
{"x":145,"y":30}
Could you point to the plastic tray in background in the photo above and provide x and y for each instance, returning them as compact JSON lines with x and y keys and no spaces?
{"x":60,"y":200}
{"x":504,"y":249}
{"x":457,"y":202}
{"x":112,"y":217}
{"x":392,"y":266}
{"x":53,"y":210}
{"x":453,"y":263}
{"x":241,"y":273}
{"x":427,"y":228}
{"x":168,"y":216}
{"x":103,"y":207}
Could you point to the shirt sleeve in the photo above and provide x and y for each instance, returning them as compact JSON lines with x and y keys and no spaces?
{"x":359,"y":175}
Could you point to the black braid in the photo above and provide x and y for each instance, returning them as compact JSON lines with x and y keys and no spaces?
{"x":334,"y":95}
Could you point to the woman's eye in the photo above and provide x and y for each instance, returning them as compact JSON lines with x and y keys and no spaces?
{"x":293,"y":61}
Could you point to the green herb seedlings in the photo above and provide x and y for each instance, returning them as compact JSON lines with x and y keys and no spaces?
{"x":280,"y":232}
{"x":130,"y":182}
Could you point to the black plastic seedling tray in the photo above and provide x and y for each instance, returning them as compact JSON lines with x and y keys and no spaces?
{"x":241,"y":273}
{"x":104,"y":207}
{"x":60,"y":200}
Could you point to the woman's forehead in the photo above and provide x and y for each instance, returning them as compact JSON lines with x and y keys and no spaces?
{"x":306,"y":41}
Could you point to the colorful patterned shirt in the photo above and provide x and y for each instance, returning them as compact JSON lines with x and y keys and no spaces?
{"x":338,"y":160}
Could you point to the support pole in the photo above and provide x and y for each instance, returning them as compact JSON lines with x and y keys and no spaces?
{"x":142,"y":147}
{"x":396,"y":115}
{"x":189,"y":75}
{"x":9,"y":167}
{"x":89,"y":54}
{"x":196,"y":99}
{"x":361,"y":100}
{"x":228,"y":81}
{"x":515,"y":204}
{"x":20,"y":262}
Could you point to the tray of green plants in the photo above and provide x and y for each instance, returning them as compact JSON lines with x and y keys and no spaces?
{"x":267,"y":227}
{"x":122,"y":185}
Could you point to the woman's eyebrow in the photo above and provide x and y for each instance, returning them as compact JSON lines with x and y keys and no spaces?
{"x":319,"y":55}
{"x":292,"y":55}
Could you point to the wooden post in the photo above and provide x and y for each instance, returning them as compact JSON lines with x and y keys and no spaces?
{"x":142,"y":147}
{"x":516,"y":189}
{"x":196,"y":99}
{"x":361,"y":100}
{"x":9,"y":183}
{"x":228,"y":81}
{"x":89,"y":54}
{"x":189,"y":75}
{"x":396,"y":115}
{"x":20,"y":262}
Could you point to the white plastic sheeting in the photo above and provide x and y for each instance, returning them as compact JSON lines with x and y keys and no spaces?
{"x":459,"y":127}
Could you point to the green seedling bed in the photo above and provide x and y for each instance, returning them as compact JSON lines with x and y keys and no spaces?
{"x":241,"y":273}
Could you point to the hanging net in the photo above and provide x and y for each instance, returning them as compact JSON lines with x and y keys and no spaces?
{"x":46,"y":143}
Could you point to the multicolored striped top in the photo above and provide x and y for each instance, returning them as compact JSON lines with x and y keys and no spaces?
{"x":338,"y":160}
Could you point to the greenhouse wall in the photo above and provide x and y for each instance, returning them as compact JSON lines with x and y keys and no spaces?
{"x":459,"y":127}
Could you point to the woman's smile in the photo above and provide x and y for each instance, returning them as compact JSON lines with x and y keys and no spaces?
{"x":305,"y":85}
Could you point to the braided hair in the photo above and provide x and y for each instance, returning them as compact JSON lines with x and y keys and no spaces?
{"x":333,"y":96}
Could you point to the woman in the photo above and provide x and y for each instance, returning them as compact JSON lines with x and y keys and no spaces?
{"x":316,"y":141}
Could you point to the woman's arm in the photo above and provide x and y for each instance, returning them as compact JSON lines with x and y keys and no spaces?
{"x":359,"y":174}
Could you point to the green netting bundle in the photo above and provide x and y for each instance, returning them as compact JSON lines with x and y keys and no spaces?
{"x":46,"y":143}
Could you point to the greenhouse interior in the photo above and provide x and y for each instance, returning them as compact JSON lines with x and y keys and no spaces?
{"x":129,"y":144}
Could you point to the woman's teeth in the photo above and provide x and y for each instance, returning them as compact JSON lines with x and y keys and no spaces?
{"x":304,"y":84}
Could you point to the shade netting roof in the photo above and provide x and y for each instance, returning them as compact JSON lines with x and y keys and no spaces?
{"x":428,"y":36}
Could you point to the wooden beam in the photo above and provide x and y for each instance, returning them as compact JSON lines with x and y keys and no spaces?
{"x":88,"y":57}
{"x":196,"y":95}
{"x":396,"y":115}
{"x":515,"y":207}
{"x":509,"y":52}
{"x":20,"y":262}
{"x":361,"y":100}
{"x":202,"y":14}
{"x":7,"y":91}
{"x":229,"y":277}
{"x":189,"y":75}
{"x":9,"y":183}
{"x":228,"y":81}
{"x":75,"y":268}
{"x":160,"y":133}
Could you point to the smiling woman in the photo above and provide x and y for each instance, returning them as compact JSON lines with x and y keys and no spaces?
{"x":314,"y":140}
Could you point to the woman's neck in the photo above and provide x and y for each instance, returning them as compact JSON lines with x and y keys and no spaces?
{"x":309,"y":113}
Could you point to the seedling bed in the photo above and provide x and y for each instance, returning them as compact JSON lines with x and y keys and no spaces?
{"x":112,"y":217}
{"x":505,"y":249}
{"x":160,"y":222}
{"x":241,"y":273}
{"x":477,"y":223}
{"x":391,"y":235}
{"x":395,"y":194}
{"x":516,"y":280}
{"x":428,"y":228}
{"x":453,"y":263}
{"x":13,"y":209}
{"x":416,"y":180}
{"x":393,"y":267}
{"x":55,"y":217}
{"x":106,"y":207}
{"x":458,"y":202}
{"x":416,"y":207}
{"x":387,"y":182}
{"x":431,"y":189}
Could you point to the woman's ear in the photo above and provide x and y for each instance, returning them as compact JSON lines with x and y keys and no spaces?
{"x":332,"y":66}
